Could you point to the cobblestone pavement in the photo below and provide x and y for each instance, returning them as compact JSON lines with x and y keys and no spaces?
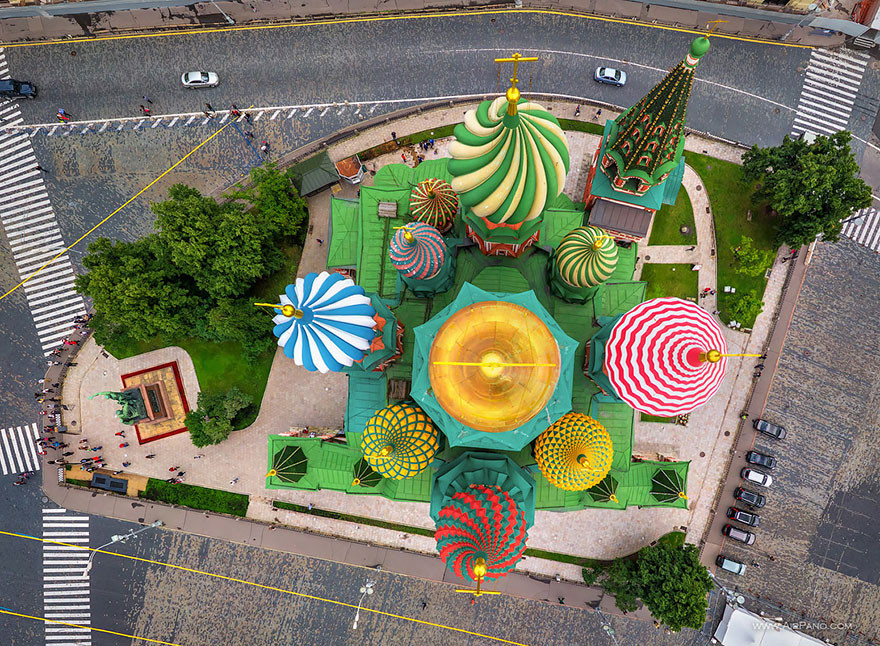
{"x":820,"y":521}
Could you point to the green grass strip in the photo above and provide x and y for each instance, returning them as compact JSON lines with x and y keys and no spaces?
{"x":223,"y":502}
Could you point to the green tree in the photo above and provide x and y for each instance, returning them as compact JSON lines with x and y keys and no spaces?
{"x":621,"y":581}
{"x":275,"y":201}
{"x":212,"y":421}
{"x":238,"y":320}
{"x":751,"y":261}
{"x":674,"y":585}
{"x":745,"y":306}
{"x":137,"y":295}
{"x":223,"y":248}
{"x":812,"y":186}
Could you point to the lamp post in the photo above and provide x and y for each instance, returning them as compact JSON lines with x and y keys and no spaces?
{"x":366,"y":588}
{"x":812,"y":10}
{"x":117,"y":538}
{"x":228,"y":19}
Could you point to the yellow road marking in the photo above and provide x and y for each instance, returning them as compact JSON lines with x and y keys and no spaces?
{"x":265,"y":587}
{"x":97,"y":630}
{"x":368,"y":19}
{"x":127,"y":202}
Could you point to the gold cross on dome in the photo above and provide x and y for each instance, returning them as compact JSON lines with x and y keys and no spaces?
{"x":515,"y":59}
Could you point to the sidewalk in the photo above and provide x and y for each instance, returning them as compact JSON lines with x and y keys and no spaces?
{"x":96,"y":18}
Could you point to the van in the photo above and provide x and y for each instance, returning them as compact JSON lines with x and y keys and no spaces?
{"x":12,"y":89}
{"x":730,"y":565}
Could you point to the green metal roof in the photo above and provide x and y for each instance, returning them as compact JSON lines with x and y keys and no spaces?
{"x":619,"y":420}
{"x":557,"y":223}
{"x":345,"y":225}
{"x":404,"y":176}
{"x":501,"y":279}
{"x":626,"y":264}
{"x":672,"y":183}
{"x":389,"y":340}
{"x":636,"y":486}
{"x":618,"y":298}
{"x":597,"y":356}
{"x":366,"y":395}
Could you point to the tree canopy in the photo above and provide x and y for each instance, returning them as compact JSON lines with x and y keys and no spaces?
{"x":212,"y":421}
{"x":811,"y":186}
{"x":750,"y":260}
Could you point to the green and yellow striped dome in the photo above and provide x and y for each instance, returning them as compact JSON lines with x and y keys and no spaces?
{"x":400,"y":441}
{"x":509,"y":158}
{"x":586,"y":257}
{"x":575,"y":453}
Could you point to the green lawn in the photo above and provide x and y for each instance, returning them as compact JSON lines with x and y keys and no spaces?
{"x":582,"y":126}
{"x":670,"y":219}
{"x":730,"y":197}
{"x":670,"y":280}
{"x":219,"y":366}
{"x":223,"y":502}
{"x":654,"y":418}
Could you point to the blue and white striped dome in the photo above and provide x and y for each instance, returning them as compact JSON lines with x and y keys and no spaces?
{"x":332,"y":326}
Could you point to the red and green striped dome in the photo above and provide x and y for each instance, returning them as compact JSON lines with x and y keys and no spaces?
{"x":586,"y":257}
{"x":481,"y":522}
{"x":417,"y":251}
{"x":434,"y":202}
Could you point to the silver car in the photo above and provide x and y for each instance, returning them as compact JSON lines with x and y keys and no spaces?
{"x":756,"y":477}
{"x":199,"y":79}
{"x":610,"y":76}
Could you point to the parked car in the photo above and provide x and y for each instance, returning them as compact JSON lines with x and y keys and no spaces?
{"x":744,"y":517}
{"x":199,"y":79}
{"x":762,"y":460}
{"x":750,"y":498}
{"x":738,"y":534}
{"x":756,"y":477}
{"x":610,"y":76}
{"x":730,"y":565}
{"x":12,"y":89}
{"x":769,"y":428}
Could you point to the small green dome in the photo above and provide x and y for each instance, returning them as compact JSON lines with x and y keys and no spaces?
{"x":699,"y":47}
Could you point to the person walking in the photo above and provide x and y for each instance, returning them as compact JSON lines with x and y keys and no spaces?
{"x":173,"y":469}
{"x":577,"y":111}
{"x":123,"y":445}
{"x":40,"y":168}
{"x":145,"y":110}
{"x":198,"y":457}
{"x":147,"y":99}
{"x":209,"y":107}
{"x":248,"y":134}
{"x":151,"y":456}
{"x":120,"y":433}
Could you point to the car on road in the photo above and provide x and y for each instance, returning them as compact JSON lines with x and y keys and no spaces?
{"x":610,"y":76}
{"x":730,"y":565}
{"x":768,"y":428}
{"x":762,"y":460}
{"x":756,"y":477}
{"x":750,"y":498}
{"x":744,"y":517}
{"x":199,"y":79}
{"x":12,"y":89}
{"x":737,"y":534}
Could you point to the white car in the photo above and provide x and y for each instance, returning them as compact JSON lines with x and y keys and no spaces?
{"x":199,"y":79}
{"x":756,"y":477}
{"x":610,"y":76}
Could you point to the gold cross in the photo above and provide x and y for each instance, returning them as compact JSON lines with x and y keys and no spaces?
{"x":714,"y":24}
{"x":515,"y":59}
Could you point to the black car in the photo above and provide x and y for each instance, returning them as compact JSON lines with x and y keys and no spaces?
{"x":743,"y":517}
{"x":12,"y":89}
{"x":768,"y":428}
{"x":766,"y":461}
{"x":753,"y":500}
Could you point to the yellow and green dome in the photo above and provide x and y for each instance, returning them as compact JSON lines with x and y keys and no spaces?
{"x":400,"y":441}
{"x":586,"y":257}
{"x":509,"y":158}
{"x":574,"y":453}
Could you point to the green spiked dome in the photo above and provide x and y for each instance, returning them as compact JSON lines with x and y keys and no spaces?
{"x":646,"y":142}
{"x":509,"y":158}
{"x":400,"y":441}
{"x":586,"y":257}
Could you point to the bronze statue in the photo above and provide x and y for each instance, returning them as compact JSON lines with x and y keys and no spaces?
{"x":133,"y":408}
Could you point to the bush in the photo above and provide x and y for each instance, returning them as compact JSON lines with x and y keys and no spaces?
{"x":749,"y":260}
{"x":212,"y":421}
{"x":746,"y":306}
{"x":223,"y":502}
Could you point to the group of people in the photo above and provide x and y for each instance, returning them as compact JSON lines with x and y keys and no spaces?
{"x":22,"y":479}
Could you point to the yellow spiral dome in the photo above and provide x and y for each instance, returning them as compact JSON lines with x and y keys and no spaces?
{"x":400,"y":441}
{"x":575,"y":452}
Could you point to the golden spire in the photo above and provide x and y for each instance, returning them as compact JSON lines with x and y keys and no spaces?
{"x":286,"y":310}
{"x":480,"y":570}
{"x":713,"y":356}
{"x":513,"y":91}
{"x":408,"y":236}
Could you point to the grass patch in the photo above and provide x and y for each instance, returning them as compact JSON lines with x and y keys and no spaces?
{"x":670,"y":280}
{"x":582,"y":126}
{"x":77,"y":483}
{"x":654,"y":418}
{"x":223,"y":502}
{"x":674,"y":539}
{"x":730,"y":197}
{"x":670,"y":219}
{"x":219,"y":366}
{"x":390,"y":146}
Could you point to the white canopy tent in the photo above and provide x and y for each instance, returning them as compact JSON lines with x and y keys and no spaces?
{"x":740,"y":627}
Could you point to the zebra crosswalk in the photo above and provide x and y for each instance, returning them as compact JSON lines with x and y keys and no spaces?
{"x":29,"y":222}
{"x":831,"y":84}
{"x":864,"y":228}
{"x":18,"y":451}
{"x":66,"y":586}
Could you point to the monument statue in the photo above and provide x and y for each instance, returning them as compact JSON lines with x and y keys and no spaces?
{"x":133,"y":408}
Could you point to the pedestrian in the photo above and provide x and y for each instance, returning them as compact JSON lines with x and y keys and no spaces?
{"x":171,"y":479}
{"x":172,"y":469}
{"x":247,"y":117}
{"x":772,"y":558}
{"x":123,"y":445}
{"x":743,"y":416}
{"x":69,"y":364}
{"x":264,"y":147}
{"x":248,"y":134}
{"x":208,"y":114}
{"x":577,"y":111}
{"x":235,"y":111}
{"x":310,"y":506}
{"x":146,"y":111}
{"x":198,"y":457}
{"x":394,"y":136}
{"x":691,"y":248}
{"x":120,"y":433}
{"x":320,"y":242}
{"x":424,"y":605}
{"x":126,"y":464}
{"x":598,"y":113}
{"x":67,"y":453}
{"x":763,"y":356}
{"x":181,"y":474}
{"x":40,"y":168}
{"x":117,"y":472}
{"x":151,"y":456}
{"x":147,"y":99}
{"x":403,"y":157}
{"x":209,"y":107}
{"x":760,"y":366}
{"x":784,"y":260}
{"x":716,"y":312}
{"x":233,"y":481}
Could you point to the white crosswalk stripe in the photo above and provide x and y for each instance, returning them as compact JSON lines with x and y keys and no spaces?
{"x":831,"y":85}
{"x":18,"y":451}
{"x":863,"y":227}
{"x":66,"y":592}
{"x":32,"y":231}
